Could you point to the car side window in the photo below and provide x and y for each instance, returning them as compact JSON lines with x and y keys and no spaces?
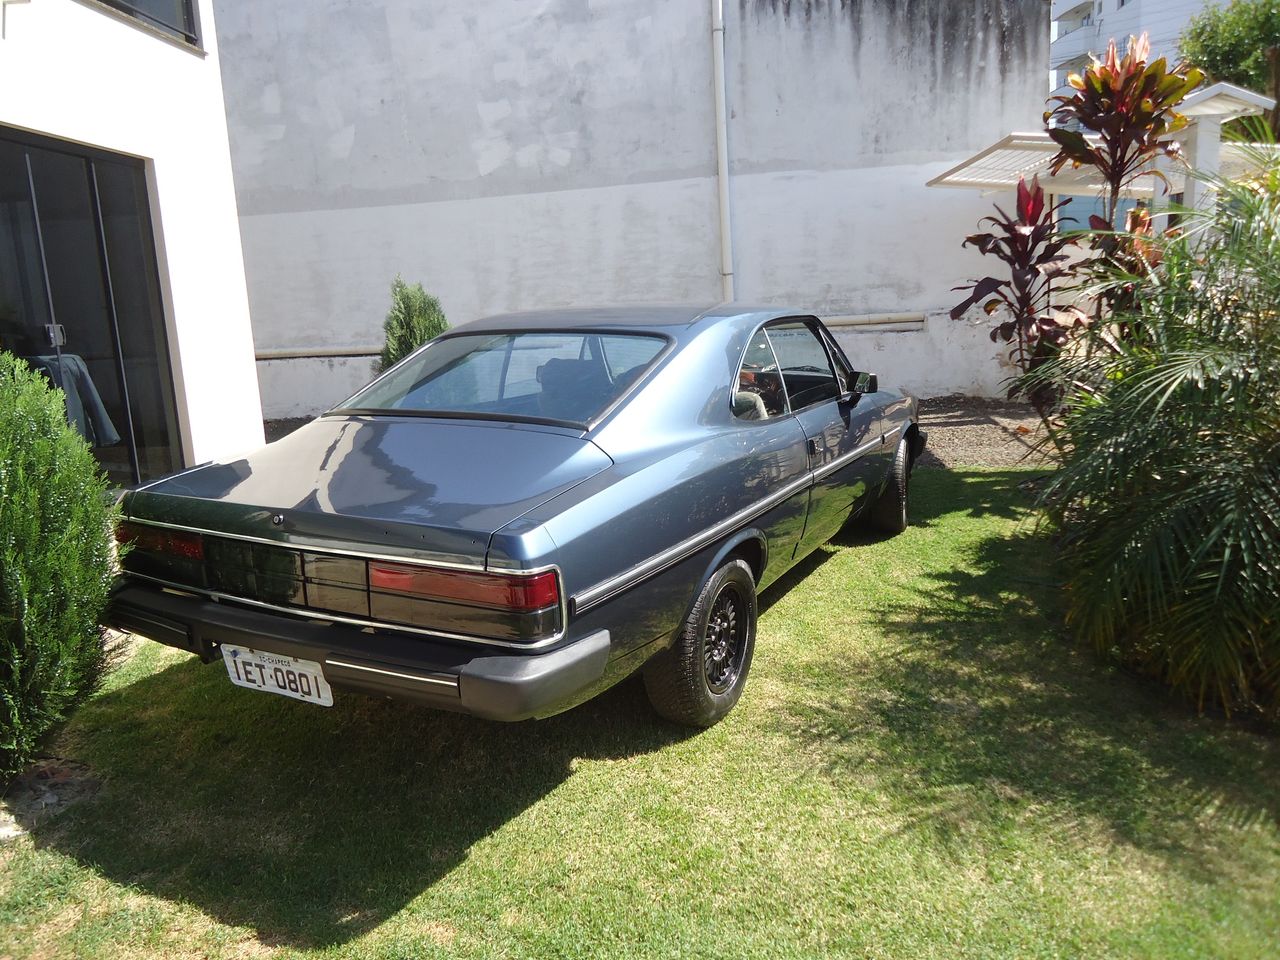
{"x":806,"y":368}
{"x":758,"y":393}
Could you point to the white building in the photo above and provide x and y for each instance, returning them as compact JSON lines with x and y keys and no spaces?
{"x":121,"y":272}
{"x":1083,"y":27}
{"x":513,"y":154}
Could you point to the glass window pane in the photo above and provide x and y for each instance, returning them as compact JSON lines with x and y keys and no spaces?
{"x":85,"y":365}
{"x":806,"y":369}
{"x":144,"y":345}
{"x":171,"y":16}
{"x":626,"y":357}
{"x":529,"y":356}
{"x":555,"y":376}
{"x":759,"y":394}
{"x":24,"y":306}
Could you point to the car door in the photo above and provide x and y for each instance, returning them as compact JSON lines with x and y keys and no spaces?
{"x":837,"y":434}
{"x":777,"y":458}
{"x":866,"y":416}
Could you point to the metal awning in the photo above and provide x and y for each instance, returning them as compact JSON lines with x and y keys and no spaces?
{"x":1224,"y":102}
{"x":999,"y":166}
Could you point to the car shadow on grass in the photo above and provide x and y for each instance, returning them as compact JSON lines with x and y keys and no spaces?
{"x":1004,"y":494}
{"x":311,"y":826}
{"x":992,"y":714}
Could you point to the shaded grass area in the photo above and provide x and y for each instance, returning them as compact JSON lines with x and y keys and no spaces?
{"x":922,"y":766}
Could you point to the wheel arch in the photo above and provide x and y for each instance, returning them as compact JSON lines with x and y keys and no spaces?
{"x":749,"y":545}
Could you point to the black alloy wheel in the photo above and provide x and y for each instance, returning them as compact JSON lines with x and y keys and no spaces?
{"x":699,"y":678}
{"x":725,"y":642}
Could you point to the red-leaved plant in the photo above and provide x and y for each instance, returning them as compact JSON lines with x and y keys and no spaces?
{"x":1129,"y":106}
{"x":1031,"y":245}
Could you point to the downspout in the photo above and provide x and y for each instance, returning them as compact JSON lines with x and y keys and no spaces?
{"x":722,"y":151}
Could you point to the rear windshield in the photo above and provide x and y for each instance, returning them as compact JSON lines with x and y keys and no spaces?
{"x":569,"y":377}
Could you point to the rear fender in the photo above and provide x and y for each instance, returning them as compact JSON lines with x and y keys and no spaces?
{"x":750,"y":535}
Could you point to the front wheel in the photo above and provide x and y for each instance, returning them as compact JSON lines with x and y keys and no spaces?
{"x":889,"y":512}
{"x":699,"y":678}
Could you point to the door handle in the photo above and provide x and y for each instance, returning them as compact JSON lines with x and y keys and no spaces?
{"x":812,"y":446}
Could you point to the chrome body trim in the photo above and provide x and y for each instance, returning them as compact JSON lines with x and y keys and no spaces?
{"x":844,"y":459}
{"x":331,"y":551}
{"x":596,"y":594}
{"x":306,"y":613}
{"x":451,"y":683}
{"x":590,"y":597}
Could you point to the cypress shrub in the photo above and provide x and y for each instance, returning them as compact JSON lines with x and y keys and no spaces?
{"x":414,"y":318}
{"x":56,"y":523}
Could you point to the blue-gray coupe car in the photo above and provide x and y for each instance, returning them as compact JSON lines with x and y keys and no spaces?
{"x":527,"y":510}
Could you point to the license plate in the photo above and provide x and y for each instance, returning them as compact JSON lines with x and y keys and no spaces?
{"x":288,"y":676}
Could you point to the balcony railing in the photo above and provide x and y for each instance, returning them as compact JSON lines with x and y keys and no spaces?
{"x":1074,"y":46}
{"x":1070,"y":9}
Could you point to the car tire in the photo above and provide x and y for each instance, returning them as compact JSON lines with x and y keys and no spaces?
{"x":699,"y":678}
{"x":889,"y":512}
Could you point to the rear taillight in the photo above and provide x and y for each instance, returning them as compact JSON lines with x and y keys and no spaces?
{"x":498,"y":590}
{"x":174,"y":543}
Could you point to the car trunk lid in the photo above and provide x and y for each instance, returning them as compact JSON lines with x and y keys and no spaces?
{"x":430,"y":490}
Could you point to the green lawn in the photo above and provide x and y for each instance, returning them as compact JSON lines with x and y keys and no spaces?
{"x":922,"y":766}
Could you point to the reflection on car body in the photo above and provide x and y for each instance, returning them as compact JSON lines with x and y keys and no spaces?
{"x":527,"y":510}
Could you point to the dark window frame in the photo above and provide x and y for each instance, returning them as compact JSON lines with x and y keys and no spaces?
{"x":737,"y":379}
{"x":184,"y":35}
{"x":92,"y":156}
{"x":815,"y":327}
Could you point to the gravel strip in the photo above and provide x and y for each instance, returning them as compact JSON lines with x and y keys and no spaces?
{"x":973,"y":432}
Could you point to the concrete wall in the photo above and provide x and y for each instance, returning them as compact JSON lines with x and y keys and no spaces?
{"x":78,"y":72}
{"x":516,"y":154}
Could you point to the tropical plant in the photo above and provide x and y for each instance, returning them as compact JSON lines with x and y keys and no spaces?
{"x":414,"y":318}
{"x":1168,"y":491}
{"x":1032,"y":247}
{"x":1239,"y":43}
{"x":1128,"y":104}
{"x":55,"y":563}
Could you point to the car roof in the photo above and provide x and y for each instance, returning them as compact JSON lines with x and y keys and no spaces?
{"x":639,"y":317}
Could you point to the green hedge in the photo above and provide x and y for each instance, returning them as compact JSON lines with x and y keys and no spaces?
{"x":55,"y":564}
{"x":414,"y":318}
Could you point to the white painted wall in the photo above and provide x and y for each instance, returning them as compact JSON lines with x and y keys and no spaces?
{"x":75,"y":71}
{"x":518,"y":154}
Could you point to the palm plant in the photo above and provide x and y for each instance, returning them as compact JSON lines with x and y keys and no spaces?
{"x":1168,"y":492}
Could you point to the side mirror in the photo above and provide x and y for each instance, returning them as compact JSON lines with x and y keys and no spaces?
{"x":859,"y":383}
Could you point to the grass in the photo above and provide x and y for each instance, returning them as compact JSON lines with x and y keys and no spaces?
{"x":922,"y":766}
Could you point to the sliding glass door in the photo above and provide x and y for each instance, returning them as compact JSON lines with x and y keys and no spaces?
{"x":80,"y":298}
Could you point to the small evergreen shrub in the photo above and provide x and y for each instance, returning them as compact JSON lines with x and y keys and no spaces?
{"x":55,"y":564}
{"x":414,"y":318}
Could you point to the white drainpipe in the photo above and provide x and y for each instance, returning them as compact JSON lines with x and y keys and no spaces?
{"x":722,"y":151}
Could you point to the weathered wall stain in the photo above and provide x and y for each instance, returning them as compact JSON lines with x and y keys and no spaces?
{"x":882,"y":81}
{"x":533,"y":153}
{"x":932,"y":28}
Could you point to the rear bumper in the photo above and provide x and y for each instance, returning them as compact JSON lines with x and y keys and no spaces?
{"x":485,"y":683}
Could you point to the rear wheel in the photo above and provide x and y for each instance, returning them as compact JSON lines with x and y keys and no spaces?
{"x":889,"y":512}
{"x":700,"y":677}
